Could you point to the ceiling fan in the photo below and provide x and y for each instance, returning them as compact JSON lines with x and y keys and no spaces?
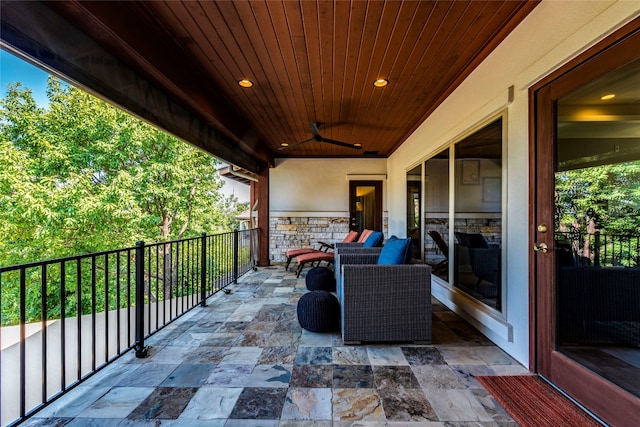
{"x":313,"y":126}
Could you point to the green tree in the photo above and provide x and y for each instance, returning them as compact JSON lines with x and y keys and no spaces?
{"x":608,"y":195}
{"x":598,"y":209}
{"x":82,"y":176}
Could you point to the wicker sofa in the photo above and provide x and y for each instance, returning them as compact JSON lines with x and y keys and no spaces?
{"x":383,"y":303}
{"x":350,"y":250}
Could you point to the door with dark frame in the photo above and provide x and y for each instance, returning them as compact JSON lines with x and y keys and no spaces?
{"x":365,"y":205}
{"x":585,"y":275}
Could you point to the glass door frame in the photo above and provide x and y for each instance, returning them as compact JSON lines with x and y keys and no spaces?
{"x":610,"y":403}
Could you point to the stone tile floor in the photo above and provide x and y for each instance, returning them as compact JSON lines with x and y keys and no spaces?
{"x":244,"y":361}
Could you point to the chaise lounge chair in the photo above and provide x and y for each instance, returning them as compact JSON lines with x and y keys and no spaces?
{"x":324,"y":247}
{"x":374,"y":238}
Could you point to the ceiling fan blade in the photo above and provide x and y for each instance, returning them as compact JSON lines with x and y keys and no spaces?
{"x":342,"y":144}
{"x":313,"y":127}
{"x":294,"y":144}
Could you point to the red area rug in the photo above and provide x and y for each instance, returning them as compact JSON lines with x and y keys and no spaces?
{"x":531,"y":402}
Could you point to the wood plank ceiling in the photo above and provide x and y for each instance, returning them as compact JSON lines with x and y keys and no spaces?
{"x":309,"y":61}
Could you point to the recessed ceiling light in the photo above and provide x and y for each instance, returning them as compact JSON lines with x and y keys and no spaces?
{"x":245,"y":83}
{"x":357,"y":144}
{"x":381,"y":83}
{"x":608,"y":96}
{"x":284,"y":144}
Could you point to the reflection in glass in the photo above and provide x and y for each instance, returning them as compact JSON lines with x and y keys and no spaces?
{"x":478,"y":215}
{"x":414,"y":225}
{"x":597,"y":223}
{"x":436,"y":214}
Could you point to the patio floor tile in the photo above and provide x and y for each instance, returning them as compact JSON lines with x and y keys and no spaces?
{"x":244,"y":361}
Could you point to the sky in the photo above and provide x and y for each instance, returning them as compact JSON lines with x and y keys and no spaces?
{"x":13,"y":69}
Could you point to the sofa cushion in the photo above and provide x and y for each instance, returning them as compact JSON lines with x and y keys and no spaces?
{"x":395,"y":251}
{"x":292,"y":253}
{"x":374,"y":239}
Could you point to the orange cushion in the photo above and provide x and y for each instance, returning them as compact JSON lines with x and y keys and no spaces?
{"x":295,"y":252}
{"x":351,"y":237}
{"x":315,"y":256}
{"x":364,"y":235}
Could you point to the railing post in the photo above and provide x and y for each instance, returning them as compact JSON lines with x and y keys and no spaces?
{"x":203,"y":272}
{"x":253,"y":247}
{"x":141,"y":350}
{"x":23,"y":342}
{"x":596,"y":250}
{"x":235,"y":255}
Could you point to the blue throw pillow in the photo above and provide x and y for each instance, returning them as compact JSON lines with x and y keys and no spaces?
{"x":374,"y":239}
{"x":395,"y":251}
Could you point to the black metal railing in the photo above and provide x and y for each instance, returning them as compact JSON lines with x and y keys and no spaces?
{"x":601,"y":249}
{"x":62,"y":320}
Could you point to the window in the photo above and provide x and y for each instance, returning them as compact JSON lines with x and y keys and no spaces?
{"x":469,"y":257}
{"x":478,"y":214}
{"x":436,"y":215}
{"x":414,"y":197}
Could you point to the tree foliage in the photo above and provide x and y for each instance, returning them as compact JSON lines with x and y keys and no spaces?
{"x":608,"y":196}
{"x":82,"y":176}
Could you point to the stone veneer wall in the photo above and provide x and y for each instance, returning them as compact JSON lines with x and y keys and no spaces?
{"x":290,"y":232}
{"x":299,"y":232}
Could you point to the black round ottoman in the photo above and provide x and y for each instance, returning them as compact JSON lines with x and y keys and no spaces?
{"x":319,"y":311}
{"x":321,"y":279}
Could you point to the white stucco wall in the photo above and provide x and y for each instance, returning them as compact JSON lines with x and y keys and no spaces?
{"x":319,"y":187}
{"x":555,"y":32}
{"x":309,"y":200}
